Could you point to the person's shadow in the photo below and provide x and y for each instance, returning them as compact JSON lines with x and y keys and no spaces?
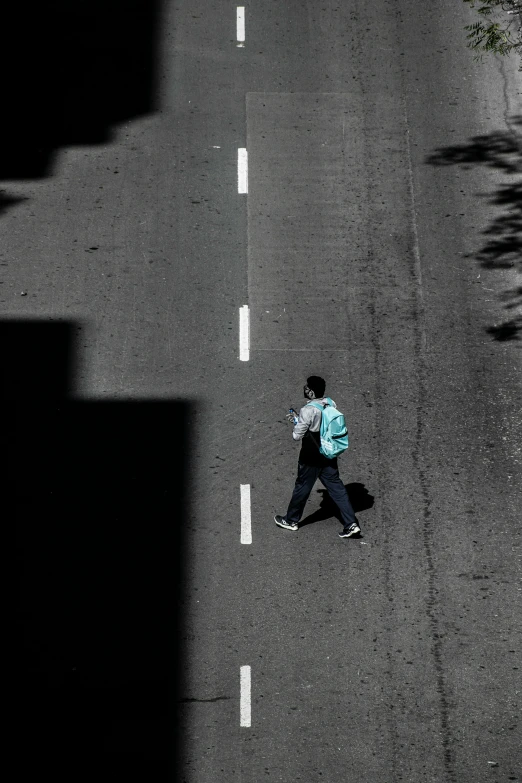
{"x":360,"y":499}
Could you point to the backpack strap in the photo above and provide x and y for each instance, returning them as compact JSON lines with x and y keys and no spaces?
{"x":317,"y":405}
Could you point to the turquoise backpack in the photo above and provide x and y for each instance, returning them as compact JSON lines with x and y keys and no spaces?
{"x":334,"y":433}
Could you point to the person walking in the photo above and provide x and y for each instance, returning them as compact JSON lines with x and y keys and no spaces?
{"x":313,"y":465}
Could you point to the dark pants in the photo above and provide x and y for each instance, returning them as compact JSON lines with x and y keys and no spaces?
{"x":328,"y":475}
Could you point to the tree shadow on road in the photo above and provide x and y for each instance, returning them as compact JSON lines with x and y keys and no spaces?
{"x":502,"y":247}
{"x":360,"y":499}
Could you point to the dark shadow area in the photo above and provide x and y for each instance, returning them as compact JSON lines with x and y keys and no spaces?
{"x":71,"y":72}
{"x":360,"y":499}
{"x":38,"y":361}
{"x":7,"y":201}
{"x":96,"y":534}
{"x":502,"y":247}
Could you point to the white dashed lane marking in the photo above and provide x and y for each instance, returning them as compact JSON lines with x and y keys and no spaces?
{"x":244,"y":333}
{"x":241,"y":26}
{"x":242,"y":170}
{"x":245,"y":708}
{"x":246,"y":517}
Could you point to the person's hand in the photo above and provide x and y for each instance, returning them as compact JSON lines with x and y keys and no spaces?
{"x":291,"y":416}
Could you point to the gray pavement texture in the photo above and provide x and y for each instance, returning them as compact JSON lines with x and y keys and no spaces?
{"x":378,"y":247}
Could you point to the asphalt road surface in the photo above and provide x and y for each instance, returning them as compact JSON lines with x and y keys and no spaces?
{"x":377,"y":246}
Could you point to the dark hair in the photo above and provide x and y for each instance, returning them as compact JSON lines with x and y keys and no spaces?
{"x":317,"y":385}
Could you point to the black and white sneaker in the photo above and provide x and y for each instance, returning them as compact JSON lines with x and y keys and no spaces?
{"x":281,"y":521}
{"x":350,"y":531}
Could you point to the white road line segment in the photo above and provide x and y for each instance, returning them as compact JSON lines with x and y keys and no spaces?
{"x":241,"y":25}
{"x":244,"y":333}
{"x":242,"y":170}
{"x":246,"y":516}
{"x":245,"y":709}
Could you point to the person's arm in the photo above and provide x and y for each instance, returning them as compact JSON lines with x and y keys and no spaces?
{"x":303,"y":423}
